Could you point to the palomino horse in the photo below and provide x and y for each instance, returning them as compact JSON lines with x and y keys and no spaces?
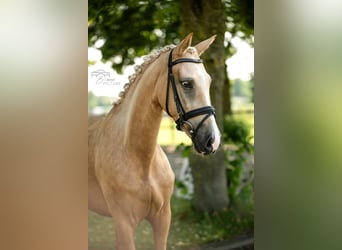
{"x":130,"y":177}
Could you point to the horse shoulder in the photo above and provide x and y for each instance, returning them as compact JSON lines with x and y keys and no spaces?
{"x":161,"y":169}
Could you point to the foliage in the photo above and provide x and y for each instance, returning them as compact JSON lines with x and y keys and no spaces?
{"x":238,"y":151}
{"x":95,"y":101}
{"x":92,"y":100}
{"x":252,"y":87}
{"x":242,"y":88}
{"x":182,"y":184}
{"x":240,"y":20}
{"x":238,"y":148}
{"x":235,"y":131}
{"x":133,"y":28}
{"x":185,"y":149}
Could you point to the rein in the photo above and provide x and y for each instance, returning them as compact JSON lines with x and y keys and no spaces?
{"x":185,"y":116}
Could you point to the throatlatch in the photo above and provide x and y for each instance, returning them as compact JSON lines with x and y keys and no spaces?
{"x":185,"y":116}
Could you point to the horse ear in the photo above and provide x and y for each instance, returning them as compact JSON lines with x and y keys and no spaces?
{"x":202,"y":46}
{"x":184,"y":44}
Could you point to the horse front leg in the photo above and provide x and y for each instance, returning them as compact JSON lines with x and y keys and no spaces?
{"x":123,"y":216}
{"x":124,"y":234}
{"x":161,"y":225}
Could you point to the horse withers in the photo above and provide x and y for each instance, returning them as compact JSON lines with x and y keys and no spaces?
{"x":130,"y":178}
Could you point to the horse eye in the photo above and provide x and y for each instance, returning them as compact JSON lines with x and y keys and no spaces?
{"x":187,"y":84}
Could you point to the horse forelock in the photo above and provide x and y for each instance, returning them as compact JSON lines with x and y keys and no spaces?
{"x":191,"y":50}
{"x":139,"y":69}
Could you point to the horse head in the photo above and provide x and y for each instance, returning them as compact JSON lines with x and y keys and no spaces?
{"x":189,"y":83}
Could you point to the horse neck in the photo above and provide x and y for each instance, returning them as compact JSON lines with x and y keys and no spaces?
{"x":142,"y":113}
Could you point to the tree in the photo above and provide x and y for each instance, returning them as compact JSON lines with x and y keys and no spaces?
{"x":133,"y":28}
{"x":240,"y":22}
{"x":208,"y":18}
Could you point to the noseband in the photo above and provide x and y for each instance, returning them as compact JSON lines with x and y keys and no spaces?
{"x":185,"y":116}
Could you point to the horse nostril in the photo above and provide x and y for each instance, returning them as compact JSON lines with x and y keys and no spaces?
{"x":209,"y":144}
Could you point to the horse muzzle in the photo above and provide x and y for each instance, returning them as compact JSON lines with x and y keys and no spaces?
{"x":207,"y":140}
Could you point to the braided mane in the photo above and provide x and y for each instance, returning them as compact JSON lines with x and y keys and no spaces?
{"x":139,"y":69}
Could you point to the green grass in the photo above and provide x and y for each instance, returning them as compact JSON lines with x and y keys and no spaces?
{"x":188,"y":228}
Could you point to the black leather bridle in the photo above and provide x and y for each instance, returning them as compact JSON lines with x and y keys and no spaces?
{"x":185,"y":116}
